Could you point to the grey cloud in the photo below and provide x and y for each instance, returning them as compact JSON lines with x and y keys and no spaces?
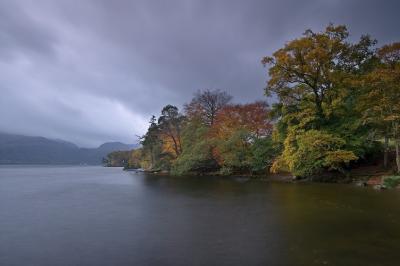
{"x":97,"y":69}
{"x":20,"y":33}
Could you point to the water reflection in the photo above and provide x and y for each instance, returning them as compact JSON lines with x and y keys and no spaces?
{"x":217,"y":220}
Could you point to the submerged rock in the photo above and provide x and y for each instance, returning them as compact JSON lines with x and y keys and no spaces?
{"x":379,"y":187}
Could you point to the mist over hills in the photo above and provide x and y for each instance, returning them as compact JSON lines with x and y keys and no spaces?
{"x":19,"y":149}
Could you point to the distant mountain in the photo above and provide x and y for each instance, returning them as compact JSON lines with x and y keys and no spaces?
{"x":19,"y":149}
{"x":116,"y":146}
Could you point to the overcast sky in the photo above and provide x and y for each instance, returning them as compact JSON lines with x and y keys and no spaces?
{"x":91,"y":71}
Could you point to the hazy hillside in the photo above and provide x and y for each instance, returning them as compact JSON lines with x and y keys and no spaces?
{"x":18,"y":149}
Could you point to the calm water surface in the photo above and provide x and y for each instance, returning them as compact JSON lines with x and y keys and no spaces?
{"x":104,"y":216}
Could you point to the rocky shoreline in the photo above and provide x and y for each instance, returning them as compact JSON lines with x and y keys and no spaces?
{"x":373,"y":180}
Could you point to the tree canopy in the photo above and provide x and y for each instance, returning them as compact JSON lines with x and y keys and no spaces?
{"x":333,"y":102}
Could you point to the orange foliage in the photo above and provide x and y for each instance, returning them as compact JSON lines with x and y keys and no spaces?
{"x":252,"y":117}
{"x":168,"y":145}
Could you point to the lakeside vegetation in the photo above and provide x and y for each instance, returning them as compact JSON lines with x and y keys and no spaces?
{"x":335,"y":106}
{"x":117,"y":159}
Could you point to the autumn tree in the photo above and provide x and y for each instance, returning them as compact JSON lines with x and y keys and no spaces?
{"x":170,"y":126}
{"x":135,"y":159}
{"x":381,"y":98}
{"x":335,"y":100}
{"x":307,"y":73}
{"x":151,"y":143}
{"x":309,"y":152}
{"x":312,"y":77}
{"x":206,"y":104}
{"x":197,"y":143}
{"x":242,"y":133}
{"x":252,"y":117}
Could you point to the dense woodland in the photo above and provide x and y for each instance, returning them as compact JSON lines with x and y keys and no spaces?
{"x":335,"y":105}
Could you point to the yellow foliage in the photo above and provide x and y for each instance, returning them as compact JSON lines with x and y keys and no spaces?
{"x":307,"y":153}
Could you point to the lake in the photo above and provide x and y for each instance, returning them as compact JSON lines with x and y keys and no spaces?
{"x":69,"y":215}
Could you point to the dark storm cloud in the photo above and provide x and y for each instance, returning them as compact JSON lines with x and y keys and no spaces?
{"x":92,"y":71}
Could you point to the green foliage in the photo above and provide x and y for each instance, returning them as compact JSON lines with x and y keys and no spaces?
{"x":235,"y":152}
{"x":117,"y":159}
{"x":391,"y":181}
{"x":243,"y":153}
{"x":263,"y":152}
{"x":197,"y":150}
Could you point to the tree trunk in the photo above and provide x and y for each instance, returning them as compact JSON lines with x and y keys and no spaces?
{"x":318,"y":106}
{"x":319,"y":111}
{"x":386,"y":152}
{"x":175,"y":146}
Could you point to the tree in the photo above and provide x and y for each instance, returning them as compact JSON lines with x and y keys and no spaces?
{"x":263,"y":152}
{"x":252,"y":117}
{"x":170,"y":124}
{"x":238,"y":133}
{"x":206,"y":104}
{"x":233,"y":153}
{"x":151,"y":143}
{"x":308,"y":72}
{"x":310,"y":152}
{"x":381,"y":99}
{"x":135,"y":158}
{"x":314,"y":79}
{"x":197,"y":154}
